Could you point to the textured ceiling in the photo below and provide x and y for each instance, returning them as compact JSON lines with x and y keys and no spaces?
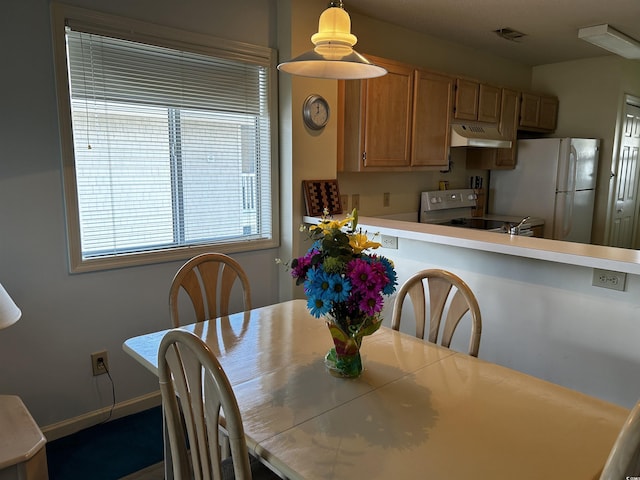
{"x":551,"y":26}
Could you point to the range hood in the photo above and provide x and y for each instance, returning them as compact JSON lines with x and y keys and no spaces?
{"x":474,"y":135}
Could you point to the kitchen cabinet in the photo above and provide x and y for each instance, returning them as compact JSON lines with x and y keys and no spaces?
{"x":476,"y":101}
{"x":376,"y":120}
{"x":398,"y":122}
{"x":500,"y":158}
{"x":432,"y":107}
{"x":538,"y":113}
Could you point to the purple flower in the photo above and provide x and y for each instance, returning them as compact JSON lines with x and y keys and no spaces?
{"x":371,"y":304}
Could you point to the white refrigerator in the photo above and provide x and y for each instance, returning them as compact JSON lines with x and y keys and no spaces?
{"x":554,"y":179}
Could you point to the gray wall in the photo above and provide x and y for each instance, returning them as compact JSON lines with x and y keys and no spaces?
{"x":45,"y":357}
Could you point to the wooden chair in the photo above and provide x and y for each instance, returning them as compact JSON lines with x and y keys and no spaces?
{"x":195,"y":391}
{"x":439,"y":285}
{"x":208,"y":279}
{"x":624,"y":458}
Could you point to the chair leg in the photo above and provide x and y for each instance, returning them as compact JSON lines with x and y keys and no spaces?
{"x":168,"y":464}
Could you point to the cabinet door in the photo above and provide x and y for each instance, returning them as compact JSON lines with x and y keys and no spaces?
{"x":387,"y":113}
{"x":538,"y":112}
{"x":500,"y":158}
{"x":509,"y":114}
{"x":489,"y":101}
{"x":432,"y":109}
{"x":529,"y":110}
{"x":466,"y":101}
{"x":548,"y":113}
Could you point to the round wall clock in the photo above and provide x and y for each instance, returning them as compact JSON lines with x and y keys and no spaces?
{"x":315,"y":112}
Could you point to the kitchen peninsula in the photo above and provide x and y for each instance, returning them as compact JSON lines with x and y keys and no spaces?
{"x":594,"y":256}
{"x":541,"y":312}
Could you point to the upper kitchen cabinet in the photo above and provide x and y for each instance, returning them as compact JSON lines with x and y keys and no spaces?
{"x":376,"y":120}
{"x":476,"y":101}
{"x":397,"y":122}
{"x":432,"y":110}
{"x":538,"y":113}
{"x":500,"y":158}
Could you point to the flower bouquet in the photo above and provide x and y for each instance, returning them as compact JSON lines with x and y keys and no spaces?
{"x":345,"y":284}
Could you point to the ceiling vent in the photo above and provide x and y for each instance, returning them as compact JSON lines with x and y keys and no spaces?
{"x":510,"y":34}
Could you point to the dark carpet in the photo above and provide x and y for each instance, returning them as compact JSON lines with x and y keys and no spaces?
{"x":108,"y":451}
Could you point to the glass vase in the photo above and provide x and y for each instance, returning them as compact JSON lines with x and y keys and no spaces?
{"x":343,"y":359}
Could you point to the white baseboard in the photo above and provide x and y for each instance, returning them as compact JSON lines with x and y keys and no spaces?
{"x":122,"y":409}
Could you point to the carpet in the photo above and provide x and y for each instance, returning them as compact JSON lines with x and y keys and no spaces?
{"x":108,"y":451}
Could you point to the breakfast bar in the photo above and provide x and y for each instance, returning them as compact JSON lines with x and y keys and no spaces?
{"x":569,"y":253}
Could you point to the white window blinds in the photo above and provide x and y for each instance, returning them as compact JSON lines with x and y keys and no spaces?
{"x":171,"y":148}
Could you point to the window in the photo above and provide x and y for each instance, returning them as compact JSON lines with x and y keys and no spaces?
{"x":170,"y":144}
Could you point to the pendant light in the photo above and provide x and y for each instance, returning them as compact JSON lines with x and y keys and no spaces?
{"x":333,"y":55}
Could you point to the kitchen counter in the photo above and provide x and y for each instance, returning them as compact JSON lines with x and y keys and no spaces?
{"x":594,"y":256}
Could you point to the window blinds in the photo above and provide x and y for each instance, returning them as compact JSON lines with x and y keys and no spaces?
{"x":172,"y":148}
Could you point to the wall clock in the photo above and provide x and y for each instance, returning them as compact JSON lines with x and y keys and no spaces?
{"x":315,"y":112}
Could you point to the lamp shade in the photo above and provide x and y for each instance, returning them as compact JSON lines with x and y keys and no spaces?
{"x":9,"y":311}
{"x":333,"y":55}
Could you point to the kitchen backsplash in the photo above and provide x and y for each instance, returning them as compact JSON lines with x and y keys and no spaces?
{"x":403,"y":188}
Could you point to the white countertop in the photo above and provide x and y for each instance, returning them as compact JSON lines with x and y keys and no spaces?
{"x":594,"y":256}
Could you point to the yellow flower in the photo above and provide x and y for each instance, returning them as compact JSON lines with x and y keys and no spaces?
{"x":327,"y":225}
{"x":360,"y":242}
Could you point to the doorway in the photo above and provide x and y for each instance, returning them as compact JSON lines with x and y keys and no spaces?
{"x":623,"y":229}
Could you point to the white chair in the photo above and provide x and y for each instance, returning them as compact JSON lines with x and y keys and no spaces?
{"x":208,"y":279}
{"x":624,"y":458}
{"x":438,"y":284}
{"x":195,"y":393}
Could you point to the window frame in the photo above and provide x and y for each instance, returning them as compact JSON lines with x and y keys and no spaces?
{"x":138,"y":31}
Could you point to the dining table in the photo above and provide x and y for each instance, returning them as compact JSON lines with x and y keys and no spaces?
{"x":418,"y":410}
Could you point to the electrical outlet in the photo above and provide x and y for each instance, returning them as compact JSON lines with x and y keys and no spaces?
{"x":100,"y":362}
{"x":355,"y":201}
{"x":386,"y":199}
{"x":344,"y":202}
{"x":609,"y":279}
{"x":389,"y":241}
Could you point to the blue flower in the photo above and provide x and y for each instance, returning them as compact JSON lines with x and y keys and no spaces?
{"x":317,"y":306}
{"x":391,"y":275}
{"x":339,"y":288}
{"x":318,"y":283}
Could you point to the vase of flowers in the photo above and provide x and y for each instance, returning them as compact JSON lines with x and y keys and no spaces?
{"x":346,"y":285}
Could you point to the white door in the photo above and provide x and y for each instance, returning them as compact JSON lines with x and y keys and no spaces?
{"x":625,"y":210}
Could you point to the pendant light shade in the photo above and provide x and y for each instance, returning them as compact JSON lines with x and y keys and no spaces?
{"x":333,"y":55}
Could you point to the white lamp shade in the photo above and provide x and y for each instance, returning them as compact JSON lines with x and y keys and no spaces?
{"x":333,"y":55}
{"x":9,"y":311}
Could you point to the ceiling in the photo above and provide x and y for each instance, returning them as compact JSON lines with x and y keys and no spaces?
{"x":551,"y":26}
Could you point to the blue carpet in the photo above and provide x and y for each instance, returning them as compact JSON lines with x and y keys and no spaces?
{"x":108,"y":451}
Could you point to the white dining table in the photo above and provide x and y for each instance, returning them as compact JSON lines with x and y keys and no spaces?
{"x":417,"y":411}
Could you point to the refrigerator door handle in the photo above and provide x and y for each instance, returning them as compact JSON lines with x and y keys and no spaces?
{"x":567,"y":221}
{"x":573,"y":169}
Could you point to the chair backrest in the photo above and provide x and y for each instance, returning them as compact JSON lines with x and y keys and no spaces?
{"x":624,"y":458}
{"x":438,"y":284}
{"x":195,"y":390}
{"x":208,"y":279}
